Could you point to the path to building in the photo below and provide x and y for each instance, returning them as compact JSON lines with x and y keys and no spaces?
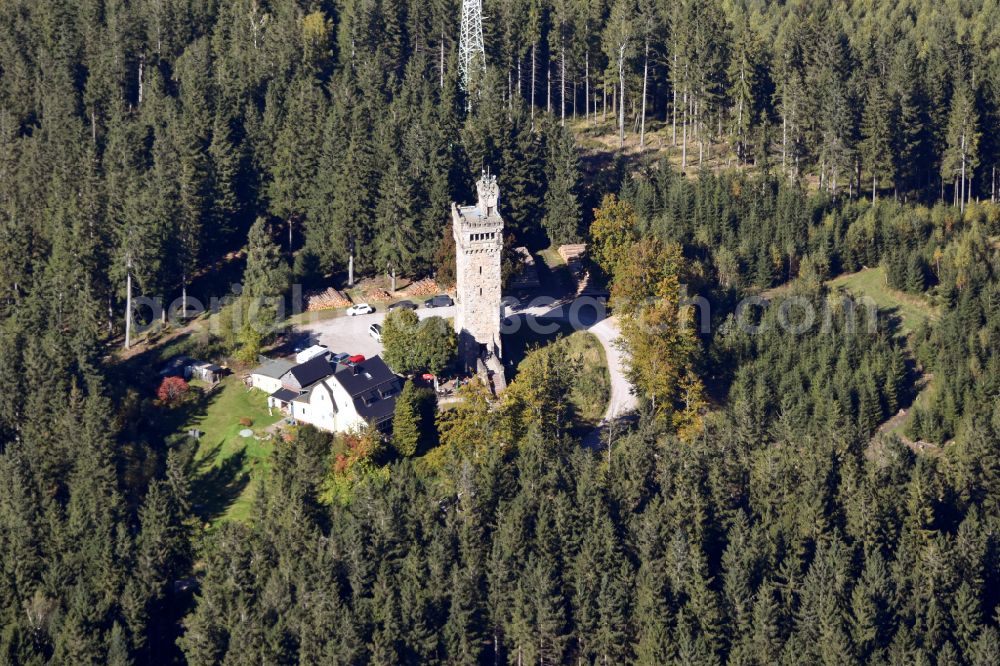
{"x":622,"y":399}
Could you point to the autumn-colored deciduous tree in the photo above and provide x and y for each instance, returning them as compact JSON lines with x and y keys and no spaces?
{"x":172,"y":390}
{"x":612,"y":233}
{"x":658,"y":330}
{"x":358,"y":458}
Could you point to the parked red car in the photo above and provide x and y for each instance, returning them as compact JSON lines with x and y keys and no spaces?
{"x":357,"y":358}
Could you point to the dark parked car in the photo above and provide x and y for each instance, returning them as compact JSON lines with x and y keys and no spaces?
{"x":439,"y":301}
{"x":403,"y":305}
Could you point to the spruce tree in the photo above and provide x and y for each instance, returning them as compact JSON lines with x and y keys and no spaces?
{"x":562,"y":208}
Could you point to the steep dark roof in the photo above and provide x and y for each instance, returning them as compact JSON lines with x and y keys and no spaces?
{"x":373,"y":387}
{"x":363,"y":376}
{"x":310,"y":372}
{"x":284,"y":395}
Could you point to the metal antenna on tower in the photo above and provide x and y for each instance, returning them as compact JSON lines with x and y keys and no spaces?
{"x":470,"y":45}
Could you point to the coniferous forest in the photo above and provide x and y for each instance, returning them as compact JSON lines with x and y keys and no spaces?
{"x":761,"y":507}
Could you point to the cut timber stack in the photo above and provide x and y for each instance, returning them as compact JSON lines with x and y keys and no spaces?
{"x":425,"y":287}
{"x":573,"y":252}
{"x":377,"y":294}
{"x":573,"y":256}
{"x":328,"y":299}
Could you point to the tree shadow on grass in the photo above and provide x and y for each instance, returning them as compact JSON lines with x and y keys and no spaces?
{"x":516,"y":345}
{"x":216,"y":486}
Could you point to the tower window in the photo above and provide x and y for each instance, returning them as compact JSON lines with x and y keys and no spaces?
{"x":480,"y":291}
{"x":480,"y":270}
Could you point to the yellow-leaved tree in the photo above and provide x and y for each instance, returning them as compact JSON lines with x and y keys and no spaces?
{"x":657,"y":332}
{"x":612,"y":233}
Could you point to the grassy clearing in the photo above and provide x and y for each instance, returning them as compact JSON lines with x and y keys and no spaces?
{"x":227,"y":468}
{"x":912,"y":310}
{"x":551,"y":257}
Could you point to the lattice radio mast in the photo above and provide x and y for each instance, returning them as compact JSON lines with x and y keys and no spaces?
{"x":471,"y":53}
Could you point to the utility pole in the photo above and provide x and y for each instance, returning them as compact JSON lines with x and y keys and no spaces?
{"x":471,"y":52}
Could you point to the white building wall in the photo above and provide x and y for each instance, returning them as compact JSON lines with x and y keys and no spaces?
{"x":266,"y":384}
{"x":319,"y":411}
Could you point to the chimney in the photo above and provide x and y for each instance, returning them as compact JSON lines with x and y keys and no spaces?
{"x":357,"y":369}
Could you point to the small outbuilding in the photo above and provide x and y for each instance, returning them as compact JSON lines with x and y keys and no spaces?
{"x":205,"y":371}
{"x":189,"y":368}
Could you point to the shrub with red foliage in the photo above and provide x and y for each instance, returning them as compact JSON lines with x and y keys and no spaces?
{"x":172,"y":390}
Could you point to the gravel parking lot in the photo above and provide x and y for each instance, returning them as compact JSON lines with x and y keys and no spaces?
{"x":350,"y":334}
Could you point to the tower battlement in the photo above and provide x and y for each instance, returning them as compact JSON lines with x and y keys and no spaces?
{"x":478,"y":233}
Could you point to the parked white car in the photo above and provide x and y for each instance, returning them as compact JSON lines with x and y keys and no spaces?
{"x":359,"y":309}
{"x":375,"y":330}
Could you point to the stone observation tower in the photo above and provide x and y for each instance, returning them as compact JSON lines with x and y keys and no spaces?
{"x":478,"y":231}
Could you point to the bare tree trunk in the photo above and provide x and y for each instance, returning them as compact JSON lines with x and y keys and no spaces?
{"x":586,"y":85}
{"x":645,"y":79}
{"x":142,"y":63}
{"x":510,"y":92}
{"x":873,"y":187}
{"x":533,"y":63}
{"x":784,"y":140}
{"x":548,"y":87}
{"x":673,"y":104}
{"x":962,"y":205}
{"x":350,"y":269}
{"x":128,"y":304}
{"x":701,"y":133}
{"x":562,"y":84}
{"x":441,"y":65}
{"x":621,"y":96}
{"x":684,"y":133}
{"x":739,"y":129}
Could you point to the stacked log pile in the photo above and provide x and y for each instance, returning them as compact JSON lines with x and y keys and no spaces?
{"x":377,"y":294}
{"x":573,"y":256}
{"x":425,"y":287}
{"x":327,"y":299}
{"x":572,"y":252}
